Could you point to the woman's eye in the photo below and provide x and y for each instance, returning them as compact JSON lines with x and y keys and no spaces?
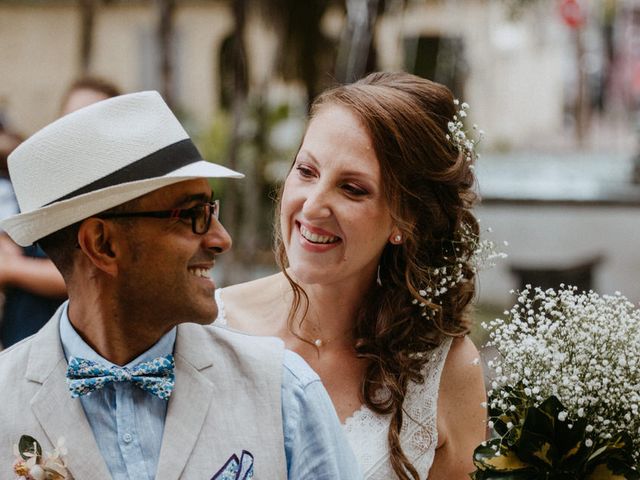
{"x":304,"y":172}
{"x":354,"y":190}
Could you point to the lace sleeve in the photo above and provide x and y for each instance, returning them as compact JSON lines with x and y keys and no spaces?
{"x":221,"y":319}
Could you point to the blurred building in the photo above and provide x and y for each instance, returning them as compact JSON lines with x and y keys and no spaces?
{"x":532,"y":79}
{"x":503,"y":67}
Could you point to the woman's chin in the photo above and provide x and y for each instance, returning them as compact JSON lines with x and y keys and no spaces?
{"x":309,"y":275}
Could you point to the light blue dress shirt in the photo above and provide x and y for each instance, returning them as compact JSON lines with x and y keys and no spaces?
{"x":128,"y":422}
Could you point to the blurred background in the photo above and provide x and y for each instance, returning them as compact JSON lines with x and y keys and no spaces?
{"x":555,"y":84}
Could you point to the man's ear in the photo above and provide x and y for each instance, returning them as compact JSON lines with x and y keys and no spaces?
{"x":98,"y":240}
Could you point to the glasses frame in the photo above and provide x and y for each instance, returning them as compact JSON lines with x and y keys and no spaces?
{"x":193,"y":213}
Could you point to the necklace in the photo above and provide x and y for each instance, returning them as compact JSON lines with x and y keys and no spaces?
{"x":320,"y":342}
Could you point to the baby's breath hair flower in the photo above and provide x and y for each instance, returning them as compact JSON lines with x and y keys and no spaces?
{"x":483,"y":255}
{"x":460,"y":137}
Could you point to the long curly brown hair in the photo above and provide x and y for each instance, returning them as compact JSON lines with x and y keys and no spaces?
{"x":428,"y":186}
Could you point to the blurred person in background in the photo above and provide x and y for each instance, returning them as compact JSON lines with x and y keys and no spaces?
{"x":33,"y":286}
{"x":376,"y":241}
{"x":8,"y":204}
{"x":85,"y":91}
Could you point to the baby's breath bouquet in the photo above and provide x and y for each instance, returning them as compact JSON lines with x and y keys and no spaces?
{"x":564,"y":403}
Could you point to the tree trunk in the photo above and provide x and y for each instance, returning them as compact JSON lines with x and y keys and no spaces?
{"x":87,"y":22}
{"x":166,"y":10}
{"x":583,"y":101}
{"x":357,"y":40}
{"x":233,"y":210}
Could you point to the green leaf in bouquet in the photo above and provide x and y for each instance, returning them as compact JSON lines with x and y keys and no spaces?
{"x":516,"y":397}
{"x":548,"y":445}
{"x":510,"y":435}
{"x":615,"y":456}
{"x":613,"y":469}
{"x":571,"y":442}
{"x":545,"y":438}
{"x":29,"y":446}
{"x":618,"y":447}
{"x":537,"y":450}
{"x":484,"y":458}
{"x":538,"y":437}
{"x":520,"y":475}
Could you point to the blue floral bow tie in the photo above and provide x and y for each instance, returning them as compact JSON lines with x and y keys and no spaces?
{"x":155,"y":376}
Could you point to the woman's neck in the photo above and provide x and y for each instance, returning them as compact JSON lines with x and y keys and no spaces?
{"x":332,"y":313}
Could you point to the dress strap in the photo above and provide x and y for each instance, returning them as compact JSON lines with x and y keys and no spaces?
{"x":439,"y":358}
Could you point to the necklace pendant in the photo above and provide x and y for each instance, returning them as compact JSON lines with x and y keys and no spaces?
{"x":317,"y":342}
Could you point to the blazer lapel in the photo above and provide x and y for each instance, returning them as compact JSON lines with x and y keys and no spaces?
{"x":188,"y":404}
{"x":61,"y":416}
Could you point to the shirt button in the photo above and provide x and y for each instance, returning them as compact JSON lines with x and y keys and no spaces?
{"x":127,"y":437}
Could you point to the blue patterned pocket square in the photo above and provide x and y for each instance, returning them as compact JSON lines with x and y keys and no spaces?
{"x":236,"y":469}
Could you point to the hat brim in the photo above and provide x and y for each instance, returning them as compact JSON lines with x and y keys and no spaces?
{"x":28,"y":227}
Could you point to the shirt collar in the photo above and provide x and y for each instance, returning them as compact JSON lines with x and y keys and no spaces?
{"x":74,"y":346}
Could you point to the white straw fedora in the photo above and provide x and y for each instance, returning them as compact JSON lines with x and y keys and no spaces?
{"x":96,"y":158}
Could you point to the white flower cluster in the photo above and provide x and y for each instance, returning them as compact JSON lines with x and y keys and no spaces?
{"x":484,"y":254}
{"x":459,"y":137}
{"x":581,"y":347}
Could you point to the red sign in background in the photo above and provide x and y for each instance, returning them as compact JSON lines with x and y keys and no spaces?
{"x":573,"y":14}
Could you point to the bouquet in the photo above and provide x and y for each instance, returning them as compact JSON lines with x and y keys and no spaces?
{"x":566,"y":396}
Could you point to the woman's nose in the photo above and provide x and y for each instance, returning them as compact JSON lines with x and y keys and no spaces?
{"x":317,"y":203}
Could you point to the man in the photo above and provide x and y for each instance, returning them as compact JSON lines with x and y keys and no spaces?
{"x":116,"y":195}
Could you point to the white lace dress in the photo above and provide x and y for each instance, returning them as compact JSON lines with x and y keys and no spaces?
{"x":367,"y":431}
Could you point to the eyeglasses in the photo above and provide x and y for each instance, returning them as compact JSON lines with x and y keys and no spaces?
{"x":200,"y":215}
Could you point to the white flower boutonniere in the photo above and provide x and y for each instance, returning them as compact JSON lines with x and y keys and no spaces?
{"x":32,"y":464}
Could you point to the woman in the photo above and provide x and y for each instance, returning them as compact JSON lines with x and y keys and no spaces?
{"x":376,"y":242}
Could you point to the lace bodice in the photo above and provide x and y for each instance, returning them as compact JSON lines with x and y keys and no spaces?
{"x":367,"y":431}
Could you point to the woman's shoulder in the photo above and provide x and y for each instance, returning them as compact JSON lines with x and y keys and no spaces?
{"x":462,"y":373}
{"x":462,"y":352}
{"x":252,"y":306}
{"x":461,"y":409}
{"x":253,"y":288}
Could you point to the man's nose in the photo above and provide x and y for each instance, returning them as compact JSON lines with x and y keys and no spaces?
{"x":217,"y":238}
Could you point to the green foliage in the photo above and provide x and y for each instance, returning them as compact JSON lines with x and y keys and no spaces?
{"x":28,"y":447}
{"x":541,"y":443}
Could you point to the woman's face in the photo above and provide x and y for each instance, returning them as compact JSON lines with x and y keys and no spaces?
{"x":335,"y":221}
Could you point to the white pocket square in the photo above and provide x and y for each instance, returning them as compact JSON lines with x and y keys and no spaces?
{"x":236,"y":468}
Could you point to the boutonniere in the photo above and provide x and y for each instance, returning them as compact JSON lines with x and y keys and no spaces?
{"x":32,"y":464}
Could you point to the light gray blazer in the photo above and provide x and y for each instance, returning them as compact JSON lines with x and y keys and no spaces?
{"x":227,"y":399}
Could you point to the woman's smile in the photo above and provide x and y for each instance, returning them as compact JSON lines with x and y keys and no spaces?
{"x":317,"y":235}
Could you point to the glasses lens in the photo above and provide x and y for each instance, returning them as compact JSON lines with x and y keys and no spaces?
{"x":215,"y":206}
{"x":201,"y":219}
